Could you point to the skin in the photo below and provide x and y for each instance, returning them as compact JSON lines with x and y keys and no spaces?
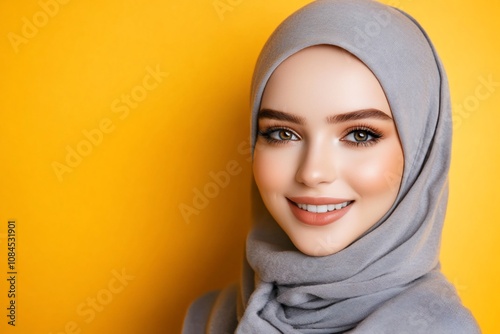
{"x":305,"y":149}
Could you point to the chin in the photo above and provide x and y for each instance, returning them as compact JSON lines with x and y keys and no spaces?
{"x":322,"y":246}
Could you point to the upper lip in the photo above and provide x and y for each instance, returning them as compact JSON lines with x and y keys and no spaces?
{"x":318,"y":200}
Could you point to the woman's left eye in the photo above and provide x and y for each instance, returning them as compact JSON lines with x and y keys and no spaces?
{"x":361,"y":137}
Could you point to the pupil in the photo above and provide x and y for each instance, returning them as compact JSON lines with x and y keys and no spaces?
{"x":360,"y":136}
{"x":285,"y":135}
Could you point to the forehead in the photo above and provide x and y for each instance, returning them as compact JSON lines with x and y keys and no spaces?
{"x":324,"y":79}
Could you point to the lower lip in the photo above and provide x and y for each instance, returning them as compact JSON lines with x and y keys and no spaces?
{"x":318,"y":219}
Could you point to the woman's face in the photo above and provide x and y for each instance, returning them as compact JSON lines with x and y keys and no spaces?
{"x":328,"y":161}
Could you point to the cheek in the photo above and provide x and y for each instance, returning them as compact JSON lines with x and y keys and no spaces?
{"x":270,"y":171}
{"x":377,"y":174}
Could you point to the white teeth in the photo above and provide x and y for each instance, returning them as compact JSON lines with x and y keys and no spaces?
{"x":322,"y":208}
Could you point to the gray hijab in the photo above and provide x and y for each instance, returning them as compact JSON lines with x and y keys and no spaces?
{"x":389,"y":280}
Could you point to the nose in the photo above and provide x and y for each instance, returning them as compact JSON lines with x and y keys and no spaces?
{"x":317,"y":166}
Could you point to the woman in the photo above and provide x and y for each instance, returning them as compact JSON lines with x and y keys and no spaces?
{"x":352,"y":137}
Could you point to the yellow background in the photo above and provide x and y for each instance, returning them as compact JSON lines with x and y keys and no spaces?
{"x":118,"y":208}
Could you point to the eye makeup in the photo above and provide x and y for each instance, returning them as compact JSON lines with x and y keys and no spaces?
{"x":278,"y":135}
{"x":357,"y":135}
{"x":362,"y":135}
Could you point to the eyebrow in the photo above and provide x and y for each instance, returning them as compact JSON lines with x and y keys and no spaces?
{"x":280,"y":116}
{"x":359,"y":114}
{"x":340,"y":118}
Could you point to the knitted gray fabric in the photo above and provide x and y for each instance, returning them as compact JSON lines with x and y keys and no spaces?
{"x":387,"y":281}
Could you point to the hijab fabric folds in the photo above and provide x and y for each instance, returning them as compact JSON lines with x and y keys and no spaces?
{"x":389,"y":280}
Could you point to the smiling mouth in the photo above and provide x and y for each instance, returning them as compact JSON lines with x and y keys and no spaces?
{"x":319,"y":211}
{"x":322,"y":208}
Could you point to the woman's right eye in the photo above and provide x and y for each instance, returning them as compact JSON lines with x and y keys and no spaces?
{"x":279,"y":135}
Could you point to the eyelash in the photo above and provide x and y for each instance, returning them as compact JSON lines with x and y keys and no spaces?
{"x":266,"y":134}
{"x":375,"y":135}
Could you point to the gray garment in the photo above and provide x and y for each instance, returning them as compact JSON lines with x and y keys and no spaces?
{"x":387,"y":281}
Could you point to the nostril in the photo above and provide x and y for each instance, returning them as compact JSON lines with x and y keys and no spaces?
{"x":313,"y":174}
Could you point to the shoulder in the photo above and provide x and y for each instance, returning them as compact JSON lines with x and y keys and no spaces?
{"x":430,"y":305}
{"x":198,"y":313}
{"x":214,"y":312}
{"x":437,"y":308}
